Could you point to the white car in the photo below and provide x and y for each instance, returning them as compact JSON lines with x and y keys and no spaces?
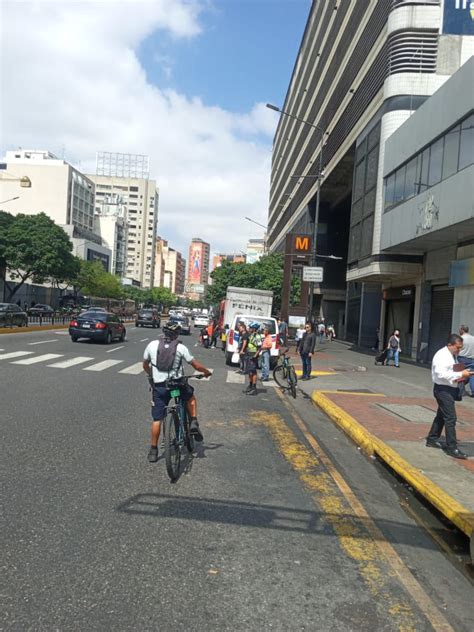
{"x":232,"y":342}
{"x":201,"y":321}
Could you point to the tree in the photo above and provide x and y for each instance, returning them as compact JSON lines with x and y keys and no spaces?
{"x":94,"y":280}
{"x":163,"y":296}
{"x":34,"y":247}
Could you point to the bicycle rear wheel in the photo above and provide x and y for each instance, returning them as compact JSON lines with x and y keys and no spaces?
{"x":292,"y":381}
{"x":172,"y":448}
{"x":279,"y":375}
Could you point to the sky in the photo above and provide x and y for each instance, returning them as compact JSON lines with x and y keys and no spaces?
{"x":182,"y":81}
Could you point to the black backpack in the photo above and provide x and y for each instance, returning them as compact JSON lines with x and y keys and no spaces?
{"x":166,"y":354}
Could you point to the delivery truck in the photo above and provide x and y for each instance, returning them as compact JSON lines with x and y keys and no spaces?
{"x":244,"y":300}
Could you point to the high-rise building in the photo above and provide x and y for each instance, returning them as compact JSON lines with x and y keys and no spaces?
{"x":362,"y":70}
{"x":57,"y":189}
{"x":111,"y":224}
{"x":198,"y":267}
{"x":126,"y":175}
{"x":255,"y":250}
{"x":218,"y":259}
{"x":170,"y":267}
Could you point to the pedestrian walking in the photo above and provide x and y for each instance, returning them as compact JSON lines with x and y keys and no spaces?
{"x":446,"y":390}
{"x":466,"y":355}
{"x":394,"y":348}
{"x":242,"y":346}
{"x":307,"y":345}
{"x":224,"y":333}
{"x":321,"y":331}
{"x":330,"y":332}
{"x":252,"y":353}
{"x":282,"y":332}
{"x":298,"y":336}
{"x":267,"y":343}
{"x":377,"y":340}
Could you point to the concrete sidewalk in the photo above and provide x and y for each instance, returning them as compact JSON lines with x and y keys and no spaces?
{"x":388,"y":411}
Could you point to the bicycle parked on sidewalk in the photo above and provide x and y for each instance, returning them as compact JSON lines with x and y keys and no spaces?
{"x":284,"y":374}
{"x":176,"y":427}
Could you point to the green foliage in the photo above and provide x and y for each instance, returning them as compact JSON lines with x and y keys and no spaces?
{"x":6,"y":220}
{"x":34,"y":247}
{"x":156,"y":296}
{"x":94,"y":280}
{"x":264,"y":274}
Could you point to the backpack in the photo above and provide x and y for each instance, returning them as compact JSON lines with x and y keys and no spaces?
{"x":166,"y":354}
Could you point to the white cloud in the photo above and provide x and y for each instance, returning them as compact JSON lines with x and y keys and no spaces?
{"x":72,"y":79}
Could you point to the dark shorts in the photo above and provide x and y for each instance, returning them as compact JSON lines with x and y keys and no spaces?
{"x":251,"y":365}
{"x":161,"y":399}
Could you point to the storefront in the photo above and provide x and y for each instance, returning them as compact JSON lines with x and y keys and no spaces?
{"x":399,"y":314}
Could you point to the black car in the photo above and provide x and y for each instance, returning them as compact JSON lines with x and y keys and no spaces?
{"x":11,"y":314}
{"x":99,"y":326}
{"x":40,"y":309}
{"x":147,"y":318}
{"x":183,"y":322}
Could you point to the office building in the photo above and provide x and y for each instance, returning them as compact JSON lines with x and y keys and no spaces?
{"x":111,"y":225}
{"x":363,"y":68}
{"x":197,"y":277}
{"x":127,"y":175}
{"x":255,"y":250}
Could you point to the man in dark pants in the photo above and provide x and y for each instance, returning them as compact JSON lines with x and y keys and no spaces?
{"x":446,"y":391}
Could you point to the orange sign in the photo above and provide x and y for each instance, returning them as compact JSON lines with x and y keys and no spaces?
{"x":302,"y":243}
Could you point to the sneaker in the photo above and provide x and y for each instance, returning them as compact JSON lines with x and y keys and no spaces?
{"x":195,"y":431}
{"x":247,"y":390}
{"x":265,"y":379}
{"x":153,"y":455}
{"x":431,"y":443}
{"x":253,"y":391}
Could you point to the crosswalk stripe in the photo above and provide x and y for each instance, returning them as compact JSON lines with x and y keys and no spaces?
{"x":101,"y":366}
{"x":41,"y":358}
{"x":14,"y":354}
{"x":65,"y":364}
{"x":235,"y":378}
{"x":133,"y":369}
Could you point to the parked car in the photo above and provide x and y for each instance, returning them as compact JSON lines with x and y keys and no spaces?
{"x":101,"y":310}
{"x":100,"y":326}
{"x":147,"y":318}
{"x":11,"y":314}
{"x":200,"y":320}
{"x":41,"y":309}
{"x":183,"y":322}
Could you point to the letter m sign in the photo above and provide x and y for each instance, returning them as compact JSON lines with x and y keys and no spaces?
{"x":302,"y":243}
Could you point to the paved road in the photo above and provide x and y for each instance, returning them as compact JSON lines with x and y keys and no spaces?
{"x":279,"y":522}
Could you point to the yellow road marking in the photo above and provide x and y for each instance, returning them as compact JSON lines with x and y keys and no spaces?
{"x":366,"y":549}
{"x":316,"y":373}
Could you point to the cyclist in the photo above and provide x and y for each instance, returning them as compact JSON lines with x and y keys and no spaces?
{"x":172,"y":355}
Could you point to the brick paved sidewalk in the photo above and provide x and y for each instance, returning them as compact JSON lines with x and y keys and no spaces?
{"x":389,"y":411}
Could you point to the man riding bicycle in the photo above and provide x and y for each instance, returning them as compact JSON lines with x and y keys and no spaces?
{"x":163,"y":360}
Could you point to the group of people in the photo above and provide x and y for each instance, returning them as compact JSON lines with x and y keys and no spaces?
{"x":322,"y":331}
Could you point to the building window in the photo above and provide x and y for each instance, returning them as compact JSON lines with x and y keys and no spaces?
{"x":436,"y":162}
{"x":133,"y":188}
{"x":451,"y":152}
{"x":466,"y":150}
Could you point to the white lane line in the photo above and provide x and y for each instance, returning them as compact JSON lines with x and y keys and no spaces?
{"x":61,"y":333}
{"x":14,"y":354}
{"x":235,"y":378}
{"x":144,"y":339}
{"x":41,"y":358}
{"x":42,"y":342}
{"x":133,"y":369}
{"x":115,"y":349}
{"x":101,"y":366}
{"x":65,"y":364}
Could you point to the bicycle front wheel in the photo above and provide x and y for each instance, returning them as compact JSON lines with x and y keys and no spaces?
{"x":279,"y":375}
{"x":172,"y":447}
{"x":188,"y":437}
{"x":292,"y":381}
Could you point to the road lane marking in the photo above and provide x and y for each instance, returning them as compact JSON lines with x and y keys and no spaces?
{"x":377,"y":538}
{"x":65,"y":364}
{"x":42,"y":342}
{"x":41,"y":358}
{"x":133,"y":369}
{"x":235,"y":378}
{"x":101,"y":366}
{"x":14,"y":354}
{"x":115,"y":349}
{"x":144,"y":339}
{"x":61,"y":333}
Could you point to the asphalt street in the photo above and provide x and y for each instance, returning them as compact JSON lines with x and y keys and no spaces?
{"x":277,"y":522}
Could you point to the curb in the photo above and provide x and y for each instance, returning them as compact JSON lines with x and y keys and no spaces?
{"x":443,"y":502}
{"x":25,"y":330}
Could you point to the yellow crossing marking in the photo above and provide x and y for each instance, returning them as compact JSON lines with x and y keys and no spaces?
{"x":316,"y":373}
{"x":359,"y":536}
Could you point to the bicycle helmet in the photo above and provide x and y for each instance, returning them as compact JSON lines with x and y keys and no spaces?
{"x":172,"y":328}
{"x":254,"y":325}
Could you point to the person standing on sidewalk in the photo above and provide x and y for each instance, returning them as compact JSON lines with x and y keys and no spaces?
{"x":265,"y":354}
{"x":307,"y":345}
{"x":299,"y":336}
{"x":282,"y":331}
{"x":251,"y":363}
{"x":466,"y":355}
{"x":394,"y":349}
{"x":446,"y":391}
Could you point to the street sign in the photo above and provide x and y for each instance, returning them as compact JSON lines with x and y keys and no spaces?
{"x":313,"y":275}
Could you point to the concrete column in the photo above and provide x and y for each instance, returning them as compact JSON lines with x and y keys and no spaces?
{"x":416,"y":321}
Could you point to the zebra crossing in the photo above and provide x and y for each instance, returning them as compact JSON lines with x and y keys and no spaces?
{"x":84,"y":363}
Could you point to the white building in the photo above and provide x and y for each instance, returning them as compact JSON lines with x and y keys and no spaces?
{"x":139,"y":195}
{"x":111,"y":224}
{"x":255,"y":250}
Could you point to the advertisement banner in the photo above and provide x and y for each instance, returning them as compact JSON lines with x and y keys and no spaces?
{"x":195,"y":264}
{"x":458,"y":17}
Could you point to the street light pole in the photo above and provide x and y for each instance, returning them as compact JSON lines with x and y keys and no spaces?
{"x":17,"y":197}
{"x":318,"y":194}
{"x":249,"y":219}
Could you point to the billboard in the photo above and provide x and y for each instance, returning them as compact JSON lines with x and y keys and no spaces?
{"x":195,"y":263}
{"x":458,"y":17}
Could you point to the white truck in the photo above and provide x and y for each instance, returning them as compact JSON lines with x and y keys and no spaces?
{"x":245,"y":300}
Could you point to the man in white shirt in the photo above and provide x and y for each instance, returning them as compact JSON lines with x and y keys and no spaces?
{"x":446,"y":391}
{"x":158,"y":378}
{"x":466,"y":355}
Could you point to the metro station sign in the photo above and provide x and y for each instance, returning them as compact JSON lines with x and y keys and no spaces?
{"x":302,"y":244}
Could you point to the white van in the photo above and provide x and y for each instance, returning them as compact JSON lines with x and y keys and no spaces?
{"x":232,"y":342}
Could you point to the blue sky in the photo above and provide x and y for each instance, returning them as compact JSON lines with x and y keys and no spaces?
{"x":245,"y":53}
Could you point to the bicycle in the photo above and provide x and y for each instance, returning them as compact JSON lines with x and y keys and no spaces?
{"x":176,"y":427}
{"x":284,"y":374}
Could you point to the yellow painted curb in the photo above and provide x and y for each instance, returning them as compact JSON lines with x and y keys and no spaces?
{"x":24,"y":330}
{"x":448,"y":506}
{"x":316,"y":373}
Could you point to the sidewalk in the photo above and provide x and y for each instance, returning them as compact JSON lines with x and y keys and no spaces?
{"x":388,"y":412}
